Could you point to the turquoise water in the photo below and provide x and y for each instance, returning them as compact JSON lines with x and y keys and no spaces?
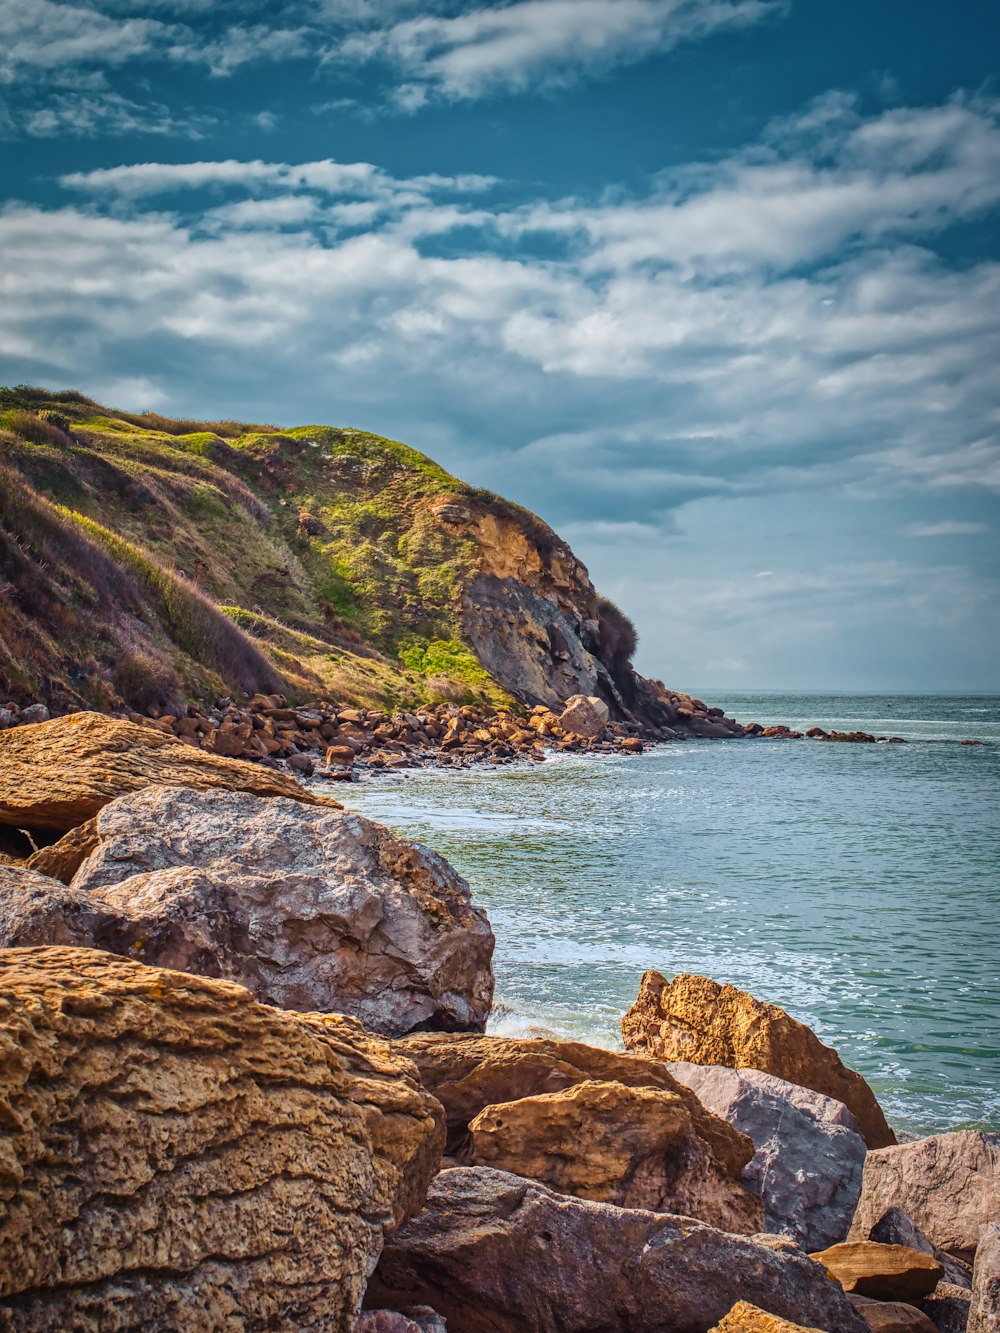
{"x":858,"y":886}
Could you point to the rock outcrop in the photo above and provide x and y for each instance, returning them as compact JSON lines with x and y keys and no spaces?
{"x":746,"y":1318}
{"x":495,"y":1253}
{"x":984,"y":1310}
{"x":808,"y":1155}
{"x":176,"y":1155}
{"x":698,"y":1020}
{"x":949,"y":1184}
{"x":635,"y":1147}
{"x":308,"y":908}
{"x":58,"y":774}
{"x":883,"y":1272}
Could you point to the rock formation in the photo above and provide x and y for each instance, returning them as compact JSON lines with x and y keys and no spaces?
{"x":309,"y":908}
{"x":947,"y":1307}
{"x":895,"y":1227}
{"x":892,"y":1316}
{"x":177,"y":1155}
{"x":635,"y":1147}
{"x":696,"y":1019}
{"x":808,"y":1159}
{"x":746,"y":1318}
{"x":495,"y":1253}
{"x":883,"y":1272}
{"x":949,"y":1184}
{"x":984,"y":1311}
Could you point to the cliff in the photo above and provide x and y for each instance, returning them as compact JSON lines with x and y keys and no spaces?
{"x":146,"y":561}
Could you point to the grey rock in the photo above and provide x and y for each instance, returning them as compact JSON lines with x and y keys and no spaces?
{"x":984,"y":1311}
{"x":35,"y":713}
{"x":495,"y":1252}
{"x":419,"y":1319}
{"x":809,"y":1156}
{"x":895,"y":1227}
{"x":309,"y":908}
{"x":947,"y":1307}
{"x":949,"y":1184}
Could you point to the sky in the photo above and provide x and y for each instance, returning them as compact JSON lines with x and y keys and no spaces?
{"x":711,"y":285}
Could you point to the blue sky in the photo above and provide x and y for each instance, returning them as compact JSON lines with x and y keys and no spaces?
{"x":712,"y":285}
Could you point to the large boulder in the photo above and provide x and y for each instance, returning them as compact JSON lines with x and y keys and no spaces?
{"x":809,"y":1158}
{"x":892,"y":1316}
{"x":949,"y":1184}
{"x":698,"y":1020}
{"x":883,"y":1272}
{"x":895,"y":1227}
{"x":310,"y":909}
{"x":984,"y":1310}
{"x":176,"y":1155}
{"x":57,"y":774}
{"x":467,"y":1073}
{"x":636,"y":1147}
{"x":496,"y":1253}
{"x":747,"y":1318}
{"x":585,"y":715}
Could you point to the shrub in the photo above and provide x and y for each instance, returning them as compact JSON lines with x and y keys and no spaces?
{"x":47,"y":428}
{"x":617,"y":639}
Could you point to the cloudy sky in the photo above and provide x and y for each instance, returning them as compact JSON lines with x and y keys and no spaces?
{"x":712,"y":285}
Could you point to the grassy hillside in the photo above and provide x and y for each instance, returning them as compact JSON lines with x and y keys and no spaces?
{"x":145,"y":561}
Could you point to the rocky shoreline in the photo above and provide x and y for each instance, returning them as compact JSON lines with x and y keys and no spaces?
{"x":245,"y":1084}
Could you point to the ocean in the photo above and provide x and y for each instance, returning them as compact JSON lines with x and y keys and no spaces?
{"x":858,"y":886}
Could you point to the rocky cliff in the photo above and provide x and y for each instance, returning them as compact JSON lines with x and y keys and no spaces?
{"x":145,"y":562}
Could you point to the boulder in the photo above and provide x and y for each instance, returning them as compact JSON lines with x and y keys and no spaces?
{"x":58,"y":774}
{"x":176,"y":1155}
{"x":308,"y":908}
{"x":496,"y":1253}
{"x":949,"y":1184}
{"x":467,"y":1073}
{"x":984,"y":1311}
{"x":947,"y":1307}
{"x":635,"y":1147}
{"x":892,"y":1316}
{"x":809,"y":1158}
{"x":62,"y":859}
{"x":895,"y":1227}
{"x":585,"y":715}
{"x":746,"y":1318}
{"x":695,"y":1019}
{"x":421,"y":1319}
{"x":883,"y":1272}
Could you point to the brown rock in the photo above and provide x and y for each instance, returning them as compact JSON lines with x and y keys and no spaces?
{"x":984,"y":1312}
{"x":947,"y":1307}
{"x":58,"y":774}
{"x":895,"y":1227}
{"x":467,"y":1073}
{"x":340,"y":756}
{"x":585,"y":715}
{"x":64,"y":858}
{"x":883,"y":1272}
{"x":892,"y":1316}
{"x":745,"y":1318}
{"x":949,"y":1184}
{"x":496,"y":1253}
{"x":631,"y":745}
{"x":178,"y":1156}
{"x":696,"y":1019}
{"x":635,"y":1147}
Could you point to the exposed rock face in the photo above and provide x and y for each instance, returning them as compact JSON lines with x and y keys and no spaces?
{"x":421,"y":1319}
{"x":746,"y":1318}
{"x":949,"y":1185}
{"x":895,"y":1227}
{"x":883,"y":1272}
{"x":636,"y":1147}
{"x":984,"y":1311}
{"x":495,"y":1253}
{"x":57,"y":774}
{"x":468,"y":1073}
{"x":177,"y":1155}
{"x":696,"y":1019}
{"x":807,"y":1165}
{"x":308,"y":908}
{"x":892,"y":1316}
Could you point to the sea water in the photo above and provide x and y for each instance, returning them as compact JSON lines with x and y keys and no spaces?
{"x":858,"y":886}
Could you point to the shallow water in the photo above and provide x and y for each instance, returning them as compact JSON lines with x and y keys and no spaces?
{"x":858,"y":886}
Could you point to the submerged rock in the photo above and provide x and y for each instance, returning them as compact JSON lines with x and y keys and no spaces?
{"x":809,"y":1157}
{"x":496,"y":1253}
{"x":178,"y":1156}
{"x":308,"y":908}
{"x":696,"y":1019}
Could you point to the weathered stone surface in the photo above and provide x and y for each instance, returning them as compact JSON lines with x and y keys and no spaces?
{"x":178,"y":1156}
{"x":883,"y":1272}
{"x":496,"y":1253}
{"x":947,"y":1307}
{"x":584,"y":715}
{"x":62,"y":859}
{"x":308,"y":908}
{"x":421,"y":1319}
{"x":984,"y":1311}
{"x":696,"y":1019}
{"x":746,"y":1318}
{"x":895,"y":1227}
{"x":949,"y":1185}
{"x":636,"y":1147}
{"x":57,"y":774}
{"x":892,"y":1316}
{"x":467,"y":1073}
{"x":807,"y":1164}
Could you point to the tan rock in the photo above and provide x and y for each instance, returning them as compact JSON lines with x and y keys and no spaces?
{"x":697,"y":1019}
{"x":892,"y":1316}
{"x":64,"y":858}
{"x":746,"y":1318}
{"x":883,"y":1272}
{"x":585,"y":715}
{"x":178,"y":1156}
{"x":58,"y":774}
{"x":635,"y":1147}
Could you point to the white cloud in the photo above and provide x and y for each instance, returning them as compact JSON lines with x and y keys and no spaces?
{"x":945,"y":528}
{"x":85,"y":115}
